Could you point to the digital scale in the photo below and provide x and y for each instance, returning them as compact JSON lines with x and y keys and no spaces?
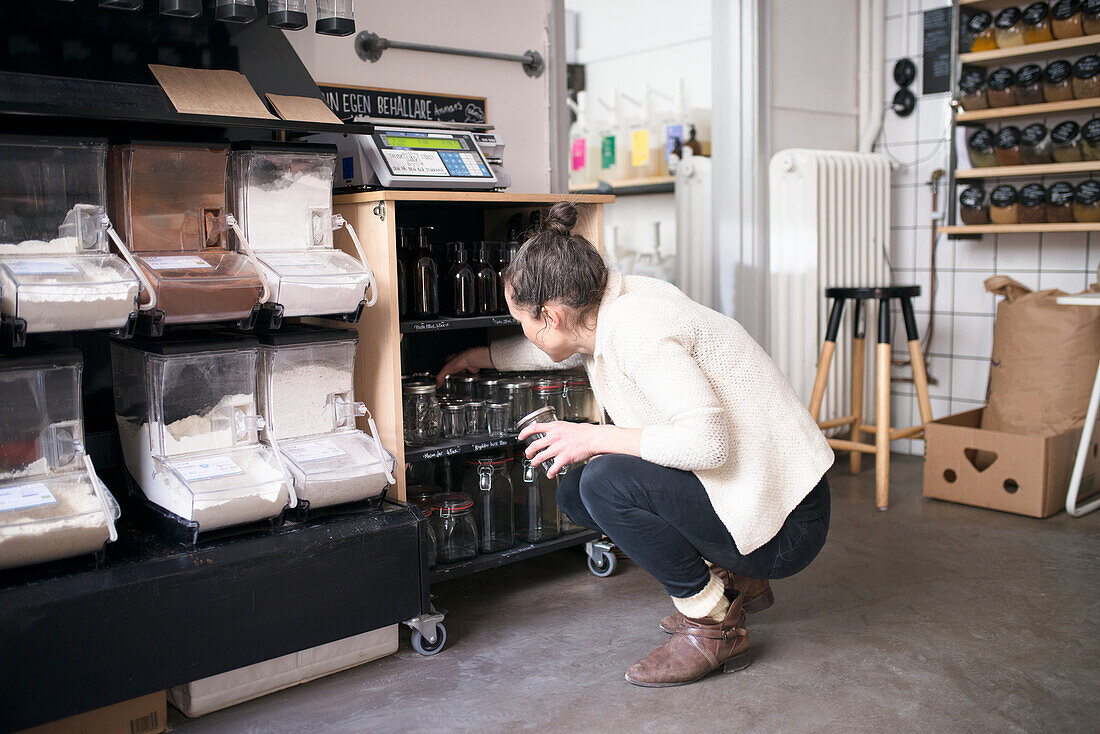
{"x":428,"y":157}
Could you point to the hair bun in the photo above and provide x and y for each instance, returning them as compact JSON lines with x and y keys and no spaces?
{"x":561,"y":219}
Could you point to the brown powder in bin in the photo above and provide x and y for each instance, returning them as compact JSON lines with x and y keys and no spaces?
{"x":1004,"y":205}
{"x":1008,"y":147}
{"x":1066,"y":19}
{"x":1033,"y":204}
{"x":1059,"y":206}
{"x":1037,"y":23}
{"x":1057,"y":86}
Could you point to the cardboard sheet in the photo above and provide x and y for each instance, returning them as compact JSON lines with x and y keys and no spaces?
{"x":219,"y":92}
{"x":302,"y":109}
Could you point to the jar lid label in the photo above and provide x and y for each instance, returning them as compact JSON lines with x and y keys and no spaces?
{"x":971,"y":81}
{"x":1008,"y":137}
{"x":1087,"y":67}
{"x":1029,"y":76}
{"x":1065,"y":133}
{"x":1034,"y":134}
{"x":1003,"y":195}
{"x":1092,"y":7}
{"x":1033,"y":194}
{"x":1008,"y":17}
{"x":1091,"y":130}
{"x":1058,"y":71}
{"x":1088,"y":192}
{"x":979,"y":22}
{"x":982,"y":140}
{"x":1001,"y":79}
{"x":1035,"y":13}
{"x":1063,"y":9}
{"x":972,"y":197}
{"x":1060,"y":194}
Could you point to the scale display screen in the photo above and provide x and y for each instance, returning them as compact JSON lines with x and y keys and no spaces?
{"x":448,"y":143}
{"x":405,"y":157}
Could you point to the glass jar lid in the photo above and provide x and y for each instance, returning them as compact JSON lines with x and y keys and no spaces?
{"x":1086,"y":67}
{"x":467,"y":379}
{"x":1091,"y":131}
{"x":1060,"y":194}
{"x":497,"y":404}
{"x":418,"y":389}
{"x":1034,"y":134}
{"x":516,"y":384}
{"x":1066,"y":133}
{"x":453,"y":406}
{"x":578,"y":382}
{"x":1008,"y":137}
{"x":972,"y":197}
{"x":979,"y":22}
{"x":1058,"y":71}
{"x":452,"y":502}
{"x":545,"y":414}
{"x":1001,"y":79}
{"x":972,"y":81}
{"x":1035,"y":13}
{"x":1087,"y":193}
{"x":981,"y":141}
{"x":490,"y":381}
{"x":1033,"y":194}
{"x":1004,"y":195}
{"x":549,"y":383}
{"x":1029,"y":76}
{"x":1008,"y":18}
{"x":475,"y":403}
{"x":1064,"y":9}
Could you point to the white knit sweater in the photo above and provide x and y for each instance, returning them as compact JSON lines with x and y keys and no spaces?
{"x":707,"y":397}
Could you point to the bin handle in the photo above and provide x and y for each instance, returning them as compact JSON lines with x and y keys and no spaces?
{"x":378,"y":443}
{"x":339,"y":221}
{"x":265,"y":294}
{"x":129,"y":258}
{"x":99,"y":489}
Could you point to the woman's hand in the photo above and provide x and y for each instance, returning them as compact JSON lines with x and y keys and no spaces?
{"x":564,"y":443}
{"x":472,"y":361}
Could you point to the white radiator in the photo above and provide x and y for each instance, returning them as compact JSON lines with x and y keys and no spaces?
{"x":696,"y":274}
{"x":829,"y":225}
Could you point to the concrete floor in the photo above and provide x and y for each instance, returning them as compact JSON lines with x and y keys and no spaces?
{"x":930,"y":617}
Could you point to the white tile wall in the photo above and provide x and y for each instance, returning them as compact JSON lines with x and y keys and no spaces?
{"x":964,"y":313}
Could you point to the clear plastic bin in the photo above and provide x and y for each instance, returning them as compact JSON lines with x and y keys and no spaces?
{"x":56,"y":273}
{"x":52,"y":505}
{"x":337,"y":468}
{"x":282,"y":197}
{"x":168,"y":201}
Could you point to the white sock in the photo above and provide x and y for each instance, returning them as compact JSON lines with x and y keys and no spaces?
{"x":710,"y":602}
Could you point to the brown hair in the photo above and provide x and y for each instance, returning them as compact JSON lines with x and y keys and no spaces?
{"x":557,"y":265}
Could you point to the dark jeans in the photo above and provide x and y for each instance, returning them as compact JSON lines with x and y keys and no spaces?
{"x":663,"y":519}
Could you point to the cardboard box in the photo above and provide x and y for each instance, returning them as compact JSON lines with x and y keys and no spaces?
{"x":143,"y":715}
{"x":1027,"y":475}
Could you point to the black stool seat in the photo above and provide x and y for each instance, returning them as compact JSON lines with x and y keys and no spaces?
{"x":889,"y":291}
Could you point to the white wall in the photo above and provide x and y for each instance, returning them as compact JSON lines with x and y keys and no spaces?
{"x":518,"y":105}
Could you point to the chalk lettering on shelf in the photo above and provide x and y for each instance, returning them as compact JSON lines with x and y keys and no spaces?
{"x":503,"y":320}
{"x":429,"y":325}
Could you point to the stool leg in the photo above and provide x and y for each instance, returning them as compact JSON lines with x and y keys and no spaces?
{"x":826,"y":358}
{"x":855,"y":458}
{"x":882,"y":405}
{"x":916,"y":359}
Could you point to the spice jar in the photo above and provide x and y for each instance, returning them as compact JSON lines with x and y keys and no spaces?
{"x":980,"y":148}
{"x":979,"y":31}
{"x":1059,"y":206}
{"x":518,"y":394}
{"x":1090,"y":17}
{"x":455,"y":529}
{"x":1000,"y":88}
{"x":1086,"y":202}
{"x":1065,"y":141}
{"x":537,"y":515}
{"x":1086,"y":77}
{"x":972,"y":207}
{"x":1033,"y":204}
{"x":1008,"y":29}
{"x":488,"y":482}
{"x":1090,"y":140}
{"x":1008,"y":146}
{"x":1066,"y":19}
{"x":1004,"y":205}
{"x":1057,"y":86}
{"x":549,"y":391}
{"x":454,"y":419}
{"x":1029,"y":84}
{"x":421,"y":414}
{"x":1037,"y":23}
{"x":578,"y":399}
{"x":972,"y":94}
{"x":1035,"y":144}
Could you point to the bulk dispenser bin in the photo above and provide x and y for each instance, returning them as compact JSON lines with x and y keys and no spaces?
{"x":309,"y":408}
{"x":168,"y":201}
{"x":52,"y":505}
{"x":56,"y":273}
{"x":187,"y":420}
{"x":282,"y":197}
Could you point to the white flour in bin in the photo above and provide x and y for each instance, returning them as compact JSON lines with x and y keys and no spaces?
{"x":71,"y":526}
{"x":341,"y":485}
{"x":67,"y":304}
{"x":278,"y":215}
{"x":299,"y":404}
{"x":56,"y":246}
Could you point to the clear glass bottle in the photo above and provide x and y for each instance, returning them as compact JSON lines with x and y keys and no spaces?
{"x":1065,"y":141}
{"x":972,"y":206}
{"x":1086,"y":77}
{"x":1037,"y":23}
{"x":1057,"y":85}
{"x":1029,"y":84}
{"x":537,"y":515}
{"x":1008,"y":28}
{"x":1035,"y":145}
{"x":424,"y":279}
{"x":1004,"y":205}
{"x":972,"y":94}
{"x":1033,"y":204}
{"x":458,"y":286}
{"x":1001,"y":88}
{"x":1059,"y":206}
{"x":455,"y":530}
{"x":1066,"y":19}
{"x":487,"y":281}
{"x":488,"y":482}
{"x":422,"y":415}
{"x":404,"y":254}
{"x":1086,"y":202}
{"x":507,"y":252}
{"x":1090,"y":140}
{"x":980,"y":147}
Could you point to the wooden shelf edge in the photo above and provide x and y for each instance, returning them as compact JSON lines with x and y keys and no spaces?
{"x":1041,"y":169}
{"x":1047,"y":108}
{"x":1020,"y":228}
{"x":1031,"y":49}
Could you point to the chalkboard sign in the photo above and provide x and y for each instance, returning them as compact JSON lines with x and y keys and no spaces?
{"x":349,"y":102}
{"x":937,"y":50}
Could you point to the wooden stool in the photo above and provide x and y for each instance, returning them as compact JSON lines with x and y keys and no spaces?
{"x":881,"y":428}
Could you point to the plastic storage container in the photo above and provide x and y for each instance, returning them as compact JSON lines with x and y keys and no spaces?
{"x":537,"y":515}
{"x":1059,"y":206}
{"x":973,"y":208}
{"x":168,"y":202}
{"x":489,"y":483}
{"x":56,"y":273}
{"x":455,"y":529}
{"x":52,"y":504}
{"x":1033,"y":204}
{"x":282,"y":198}
{"x":187,"y":417}
{"x":309,"y":409}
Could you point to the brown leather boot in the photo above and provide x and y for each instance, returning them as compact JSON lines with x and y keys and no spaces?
{"x":697,"y":647}
{"x":757,"y":594}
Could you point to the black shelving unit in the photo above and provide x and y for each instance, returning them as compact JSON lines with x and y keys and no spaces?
{"x":517,"y":552}
{"x":459,"y":446}
{"x":421,"y":326}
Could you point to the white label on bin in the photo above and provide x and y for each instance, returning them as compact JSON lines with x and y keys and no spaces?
{"x":22,"y":496}
{"x":314,"y":451}
{"x":42,"y":267}
{"x":198,"y":469}
{"x":175,"y":262}
{"x":297,"y":260}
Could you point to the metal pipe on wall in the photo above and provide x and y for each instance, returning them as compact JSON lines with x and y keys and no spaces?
{"x":872,"y":71}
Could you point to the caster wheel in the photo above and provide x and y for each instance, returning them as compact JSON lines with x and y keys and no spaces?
{"x":605,"y":566}
{"x":421,"y":645}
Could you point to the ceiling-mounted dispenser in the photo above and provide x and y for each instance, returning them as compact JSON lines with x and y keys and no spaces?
{"x":335,"y":18}
{"x":287,"y":15}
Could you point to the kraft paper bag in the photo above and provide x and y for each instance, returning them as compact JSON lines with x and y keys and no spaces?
{"x":1044,"y":361}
